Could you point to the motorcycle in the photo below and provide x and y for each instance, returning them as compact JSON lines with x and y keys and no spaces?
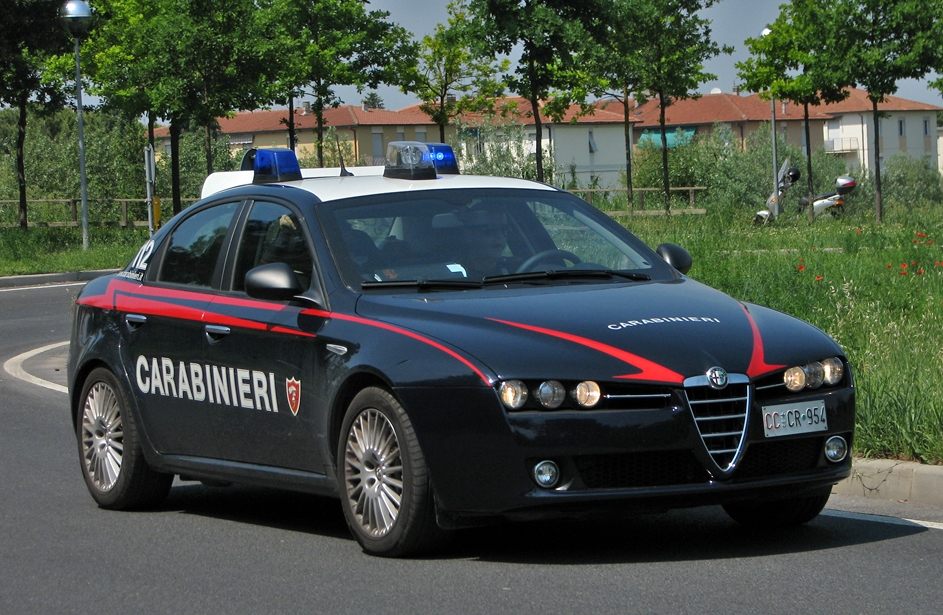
{"x":831,"y":202}
{"x":787,"y":177}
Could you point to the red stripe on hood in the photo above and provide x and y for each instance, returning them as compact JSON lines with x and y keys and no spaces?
{"x":649,"y":369}
{"x":758,"y":364}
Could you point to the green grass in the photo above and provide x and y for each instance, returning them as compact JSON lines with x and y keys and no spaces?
{"x":846,"y":277}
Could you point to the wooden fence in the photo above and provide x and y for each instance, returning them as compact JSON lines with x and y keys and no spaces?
{"x":71,"y":211}
{"x":589,"y":195}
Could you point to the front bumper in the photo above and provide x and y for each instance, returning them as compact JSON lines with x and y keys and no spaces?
{"x":481,"y":457}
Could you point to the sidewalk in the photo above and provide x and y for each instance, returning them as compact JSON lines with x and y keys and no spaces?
{"x":52,"y":278}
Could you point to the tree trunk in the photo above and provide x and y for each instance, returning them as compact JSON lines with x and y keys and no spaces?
{"x":291,"y":122}
{"x":20,"y":164}
{"x":175,"y":164}
{"x":628,"y":145}
{"x":208,"y":148}
{"x":808,"y":165}
{"x":878,"y":208}
{"x":442,"y":123}
{"x":540,"y":133}
{"x":664,"y":152}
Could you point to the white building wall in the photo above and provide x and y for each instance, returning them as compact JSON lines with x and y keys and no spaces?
{"x":573,"y":153}
{"x":852,"y":136}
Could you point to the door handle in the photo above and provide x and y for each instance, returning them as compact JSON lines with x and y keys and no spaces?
{"x":134,"y":321}
{"x":215,"y":333}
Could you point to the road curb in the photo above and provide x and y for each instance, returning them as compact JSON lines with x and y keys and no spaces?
{"x":887,"y":479}
{"x":52,"y":278}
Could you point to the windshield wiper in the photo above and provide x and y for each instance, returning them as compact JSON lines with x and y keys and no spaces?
{"x":566,"y":274}
{"x":422,"y":284}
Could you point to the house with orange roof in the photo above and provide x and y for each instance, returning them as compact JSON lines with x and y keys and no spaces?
{"x":844,"y":129}
{"x":369,"y":130}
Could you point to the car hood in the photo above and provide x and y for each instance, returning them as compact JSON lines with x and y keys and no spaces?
{"x":647,"y":332}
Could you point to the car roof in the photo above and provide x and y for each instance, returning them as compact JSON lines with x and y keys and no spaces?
{"x":367,"y":181}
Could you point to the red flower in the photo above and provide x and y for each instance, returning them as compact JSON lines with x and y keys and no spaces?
{"x":813,"y":248}
{"x":858,"y":230}
{"x":914,"y":263}
{"x":903,"y":273}
{"x":889,"y":266}
{"x":930,"y":242}
{"x":919,"y":271}
{"x":817,"y":278}
{"x":801,"y":267}
{"x":921,"y":235}
{"x":916,"y":241}
{"x":903,"y":265}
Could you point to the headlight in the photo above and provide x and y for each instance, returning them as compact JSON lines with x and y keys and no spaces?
{"x":813,"y":375}
{"x":794,"y":378}
{"x":834,"y":370}
{"x":550,"y":394}
{"x":587,"y":394}
{"x":513,"y":394}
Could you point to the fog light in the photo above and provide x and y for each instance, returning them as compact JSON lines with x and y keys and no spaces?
{"x":794,"y":378}
{"x":834,"y":370}
{"x":836,"y":449}
{"x":513,"y":394}
{"x":814,"y":375}
{"x":587,"y":394}
{"x":546,"y":474}
{"x":550,"y":394}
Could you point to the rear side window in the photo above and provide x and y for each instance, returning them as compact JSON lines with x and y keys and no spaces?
{"x":272,"y":235}
{"x":195,"y":245}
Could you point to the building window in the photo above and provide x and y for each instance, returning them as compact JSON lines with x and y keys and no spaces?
{"x":926,"y":127}
{"x":901,"y":127}
{"x":593,"y":148}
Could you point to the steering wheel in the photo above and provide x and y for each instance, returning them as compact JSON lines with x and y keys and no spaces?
{"x":546,"y":255}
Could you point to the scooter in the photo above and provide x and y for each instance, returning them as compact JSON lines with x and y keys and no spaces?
{"x":831,"y":202}
{"x":787,"y":177}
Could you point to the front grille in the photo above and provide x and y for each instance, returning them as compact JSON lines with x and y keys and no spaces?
{"x":721,"y":419}
{"x":779,"y":457}
{"x":649,"y":469}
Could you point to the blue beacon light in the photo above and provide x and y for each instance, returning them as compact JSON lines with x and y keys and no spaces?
{"x":275,"y":165}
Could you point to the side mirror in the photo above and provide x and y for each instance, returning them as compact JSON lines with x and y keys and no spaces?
{"x":676,"y":256}
{"x":273,"y":282}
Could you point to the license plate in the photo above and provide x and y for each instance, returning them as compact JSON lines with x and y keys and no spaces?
{"x":789,"y":419}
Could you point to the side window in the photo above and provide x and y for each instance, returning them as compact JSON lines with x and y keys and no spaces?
{"x":195,"y":245}
{"x":272,"y":235}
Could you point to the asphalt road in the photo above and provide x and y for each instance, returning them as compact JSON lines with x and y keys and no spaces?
{"x":252,"y":550}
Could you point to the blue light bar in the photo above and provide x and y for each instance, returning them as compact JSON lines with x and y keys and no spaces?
{"x":275,"y":165}
{"x":409,"y":160}
{"x":443,"y":158}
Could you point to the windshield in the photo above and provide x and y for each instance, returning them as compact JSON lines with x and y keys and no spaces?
{"x":478,"y":235}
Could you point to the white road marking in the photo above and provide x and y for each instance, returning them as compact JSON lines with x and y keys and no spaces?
{"x":13,"y":288}
{"x":930,"y":525}
{"x":14,"y":367}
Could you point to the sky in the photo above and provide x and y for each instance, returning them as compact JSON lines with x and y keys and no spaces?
{"x":732,"y":22}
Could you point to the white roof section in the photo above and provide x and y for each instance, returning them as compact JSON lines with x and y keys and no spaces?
{"x":367,"y":181}
{"x":223,"y":180}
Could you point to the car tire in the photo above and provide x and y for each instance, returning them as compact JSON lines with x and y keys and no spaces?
{"x":778,"y":513}
{"x":110,"y":454}
{"x":384,"y":484}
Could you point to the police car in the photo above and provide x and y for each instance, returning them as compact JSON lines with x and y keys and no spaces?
{"x":442,"y":351}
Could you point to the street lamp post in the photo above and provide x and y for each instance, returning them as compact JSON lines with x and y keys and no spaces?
{"x":76,"y":18}
{"x":774,"y":211}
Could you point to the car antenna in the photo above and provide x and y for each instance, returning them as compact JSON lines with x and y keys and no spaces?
{"x":340,"y":156}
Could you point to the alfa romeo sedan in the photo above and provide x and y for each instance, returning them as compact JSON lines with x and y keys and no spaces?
{"x":441,"y":351}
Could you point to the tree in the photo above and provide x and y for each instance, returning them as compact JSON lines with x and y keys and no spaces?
{"x":552,"y":34}
{"x":798,"y":60}
{"x":183,"y":61}
{"x":615,"y":61}
{"x":29,"y":35}
{"x":678,"y":42}
{"x":452,"y":75}
{"x":373,"y":101}
{"x":885,"y":41}
{"x":330,"y":43}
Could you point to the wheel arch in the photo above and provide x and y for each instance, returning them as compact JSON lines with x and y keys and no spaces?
{"x":345,"y":394}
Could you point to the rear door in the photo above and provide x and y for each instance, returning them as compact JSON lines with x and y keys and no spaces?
{"x":166,"y":336}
